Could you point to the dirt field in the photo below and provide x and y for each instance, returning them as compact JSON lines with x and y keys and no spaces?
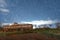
{"x":28,"y":36}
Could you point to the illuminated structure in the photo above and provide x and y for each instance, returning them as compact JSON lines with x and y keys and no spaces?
{"x":19,"y":27}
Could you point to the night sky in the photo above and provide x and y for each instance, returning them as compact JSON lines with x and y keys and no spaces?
{"x":29,"y":10}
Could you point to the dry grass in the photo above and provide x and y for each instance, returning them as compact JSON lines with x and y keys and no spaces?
{"x":37,"y":34}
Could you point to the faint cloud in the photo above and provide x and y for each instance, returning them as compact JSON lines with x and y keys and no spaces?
{"x":3,"y":6}
{"x":40,"y":22}
{"x":2,"y":3}
{"x":4,"y":10}
{"x":7,"y":23}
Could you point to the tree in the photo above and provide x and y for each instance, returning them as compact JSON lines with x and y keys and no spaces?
{"x":1,"y":26}
{"x":58,"y":25}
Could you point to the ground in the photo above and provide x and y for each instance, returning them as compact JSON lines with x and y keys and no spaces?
{"x":29,"y":36}
{"x":38,"y":34}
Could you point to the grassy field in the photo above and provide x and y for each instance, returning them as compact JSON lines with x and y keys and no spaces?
{"x":50,"y":33}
